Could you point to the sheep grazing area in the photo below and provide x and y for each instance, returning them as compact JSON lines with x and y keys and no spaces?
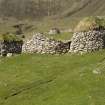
{"x":34,"y":79}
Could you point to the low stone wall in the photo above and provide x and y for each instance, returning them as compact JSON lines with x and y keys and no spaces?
{"x":83,"y":42}
{"x":14,"y":47}
{"x":41,"y":44}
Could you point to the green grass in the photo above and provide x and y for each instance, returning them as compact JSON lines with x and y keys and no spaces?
{"x":62,"y":36}
{"x":10,"y":37}
{"x":39,"y":26}
{"x":53,"y":80}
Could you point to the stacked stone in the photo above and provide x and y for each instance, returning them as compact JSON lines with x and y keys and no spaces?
{"x":41,"y":44}
{"x":13,"y":47}
{"x":83,"y":42}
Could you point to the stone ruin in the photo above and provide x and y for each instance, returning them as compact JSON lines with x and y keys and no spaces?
{"x":83,"y":42}
{"x":54,"y":31}
{"x":41,"y":44}
{"x":10,"y":44}
{"x":89,"y":36}
{"x":10,"y":47}
{"x":90,"y":40}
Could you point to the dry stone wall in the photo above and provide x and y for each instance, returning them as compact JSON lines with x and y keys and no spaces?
{"x":41,"y":44}
{"x":83,"y":42}
{"x":14,"y":47}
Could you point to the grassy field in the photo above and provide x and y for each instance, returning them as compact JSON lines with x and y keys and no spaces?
{"x":53,"y":79}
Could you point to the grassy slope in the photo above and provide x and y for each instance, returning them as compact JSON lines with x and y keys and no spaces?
{"x":67,"y":8}
{"x":53,"y":80}
{"x":72,"y":12}
{"x":62,"y":37}
{"x":92,"y":8}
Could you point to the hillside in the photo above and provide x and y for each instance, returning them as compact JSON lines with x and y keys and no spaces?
{"x":23,"y":9}
{"x":53,"y":80}
{"x":42,"y":15}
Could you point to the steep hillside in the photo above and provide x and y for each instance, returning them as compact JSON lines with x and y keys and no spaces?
{"x":40,"y":8}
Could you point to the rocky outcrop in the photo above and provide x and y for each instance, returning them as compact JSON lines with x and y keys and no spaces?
{"x":83,"y":42}
{"x":41,"y":44}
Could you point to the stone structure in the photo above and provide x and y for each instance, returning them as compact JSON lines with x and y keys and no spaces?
{"x":14,"y":47}
{"x":41,"y":44}
{"x":89,"y":35}
{"x":90,"y":41}
{"x":54,"y":31}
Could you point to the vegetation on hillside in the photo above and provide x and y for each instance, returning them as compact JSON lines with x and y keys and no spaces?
{"x":90,"y":23}
{"x":31,"y":9}
{"x":35,"y":9}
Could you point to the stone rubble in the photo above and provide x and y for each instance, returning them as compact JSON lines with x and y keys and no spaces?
{"x":41,"y":44}
{"x":83,"y":42}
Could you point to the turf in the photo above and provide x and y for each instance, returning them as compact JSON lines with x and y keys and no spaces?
{"x":61,"y":37}
{"x":10,"y":37}
{"x":53,"y":79}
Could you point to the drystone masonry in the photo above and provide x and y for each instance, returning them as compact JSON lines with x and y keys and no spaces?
{"x":13,"y":47}
{"x":83,"y":42}
{"x":41,"y":44}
